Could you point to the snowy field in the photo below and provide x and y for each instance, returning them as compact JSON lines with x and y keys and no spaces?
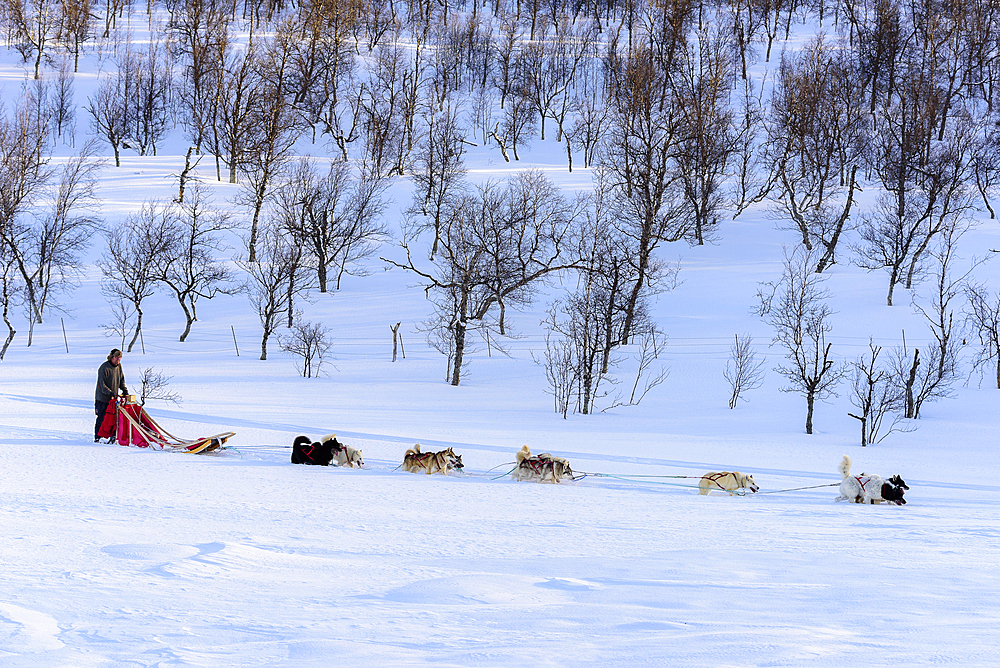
{"x":120,"y":557}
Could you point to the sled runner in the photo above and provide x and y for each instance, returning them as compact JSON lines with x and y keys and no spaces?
{"x":129,"y":424}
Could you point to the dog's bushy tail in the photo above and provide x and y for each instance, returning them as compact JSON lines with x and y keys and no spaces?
{"x":845,"y":466}
{"x":415,"y":450}
{"x":523,"y":453}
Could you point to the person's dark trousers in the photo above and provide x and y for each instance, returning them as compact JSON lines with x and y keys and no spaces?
{"x":101,"y":407}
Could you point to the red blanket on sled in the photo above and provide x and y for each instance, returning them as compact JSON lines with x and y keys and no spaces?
{"x":116,"y":424}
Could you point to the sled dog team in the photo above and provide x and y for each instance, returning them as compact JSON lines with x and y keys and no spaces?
{"x":546,"y":467}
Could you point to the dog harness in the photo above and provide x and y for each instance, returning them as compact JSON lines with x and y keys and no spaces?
{"x":310,"y":448}
{"x":714,"y":478}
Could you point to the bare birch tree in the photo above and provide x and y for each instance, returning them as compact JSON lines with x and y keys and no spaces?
{"x":276,"y":125}
{"x":272,"y":279}
{"x":59,"y":238}
{"x":190,"y":268}
{"x":495,"y":246}
{"x":795,"y":307}
{"x":639,"y":153}
{"x":935,"y":378}
{"x":815,"y":142}
{"x":24,"y":174}
{"x":135,"y":248}
{"x":336,"y":217}
{"x":111,"y":107}
{"x":927,"y":183}
{"x":36,"y":25}
{"x":438,"y":169}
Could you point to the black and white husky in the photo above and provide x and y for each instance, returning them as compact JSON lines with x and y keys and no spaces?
{"x":869,"y":488}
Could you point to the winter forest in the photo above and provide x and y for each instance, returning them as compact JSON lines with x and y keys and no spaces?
{"x":873,"y":142}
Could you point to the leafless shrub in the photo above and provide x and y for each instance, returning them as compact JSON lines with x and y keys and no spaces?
{"x":121,"y":312}
{"x":651,"y":345}
{"x":936,"y":377}
{"x":561,"y":371}
{"x":154,"y":386}
{"x":308,"y":341}
{"x":983,"y":316}
{"x":743,"y":372}
{"x":877,"y":398}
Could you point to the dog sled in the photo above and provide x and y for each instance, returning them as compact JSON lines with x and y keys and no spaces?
{"x":129,"y":424}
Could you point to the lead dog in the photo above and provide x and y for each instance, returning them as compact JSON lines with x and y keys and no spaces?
{"x":869,"y":488}
{"x":441,"y":462}
{"x":541,"y":468}
{"x":343,"y":455}
{"x":726,"y":481}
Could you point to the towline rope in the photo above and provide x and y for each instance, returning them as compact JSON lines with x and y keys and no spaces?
{"x":628,"y":478}
{"x":739,"y":492}
{"x":580,"y":475}
{"x":795,"y":489}
{"x":503,"y":474}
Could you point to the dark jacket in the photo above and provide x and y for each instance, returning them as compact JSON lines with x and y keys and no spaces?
{"x":110,"y":379}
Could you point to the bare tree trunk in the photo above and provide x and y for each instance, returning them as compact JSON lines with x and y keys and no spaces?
{"x":909,"y":384}
{"x":321,"y":275}
{"x":11,"y":332}
{"x":830,"y":256}
{"x":456,"y":370}
{"x":395,"y":339}
{"x":810,"y":403}
{"x":644,"y":252}
{"x":864,"y":428}
{"x":138,"y":328}
{"x":893,"y":279}
{"x":189,"y":319}
{"x":184,"y":175}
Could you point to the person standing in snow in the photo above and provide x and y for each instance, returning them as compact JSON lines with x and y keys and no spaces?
{"x":110,"y":379}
